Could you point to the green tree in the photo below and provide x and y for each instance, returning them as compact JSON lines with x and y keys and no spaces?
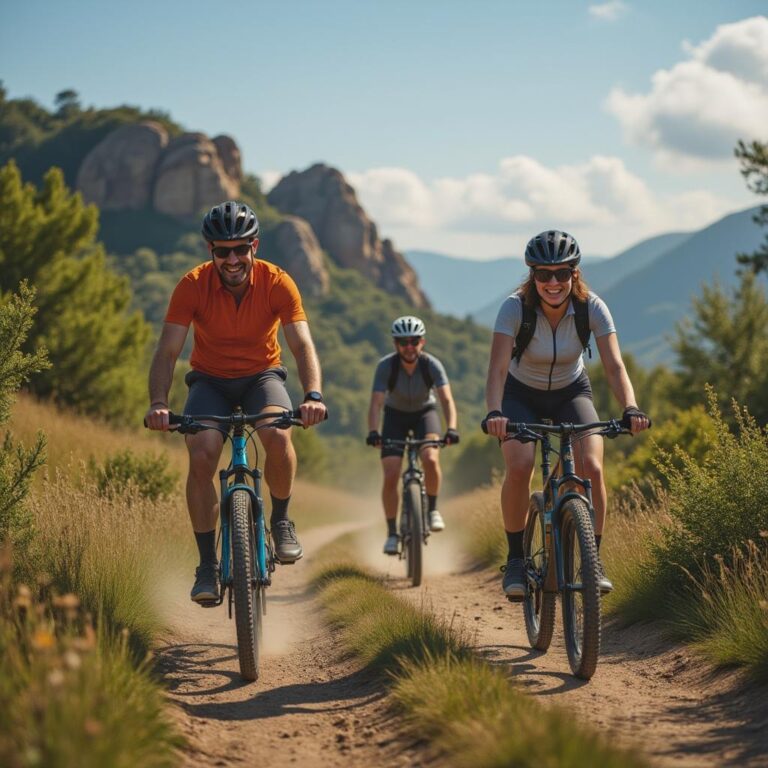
{"x":97,"y":349}
{"x":17,"y":464}
{"x":725,"y":344}
{"x":754,"y":168}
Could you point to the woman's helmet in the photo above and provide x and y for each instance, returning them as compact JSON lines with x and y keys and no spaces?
{"x":408,"y":325}
{"x":230,"y":221}
{"x":552,"y":247}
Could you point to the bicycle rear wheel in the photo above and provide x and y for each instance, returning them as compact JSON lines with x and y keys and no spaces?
{"x":412,"y":506}
{"x":246,"y":587}
{"x":581,"y":593}
{"x":538,"y":605}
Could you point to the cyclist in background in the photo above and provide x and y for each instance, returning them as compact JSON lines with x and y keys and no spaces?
{"x":404,"y":385}
{"x":547,"y":379}
{"x":236,"y":303}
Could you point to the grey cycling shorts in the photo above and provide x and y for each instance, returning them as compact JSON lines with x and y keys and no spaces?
{"x":219,"y":397}
{"x":397,"y":424}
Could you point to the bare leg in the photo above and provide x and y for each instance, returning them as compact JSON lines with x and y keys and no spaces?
{"x":430,"y":461}
{"x":588,"y":455}
{"x":389,"y":497}
{"x":202,"y":501}
{"x":515,"y":491}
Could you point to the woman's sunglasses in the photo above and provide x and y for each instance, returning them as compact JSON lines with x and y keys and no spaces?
{"x":409,"y":342}
{"x":545,"y":275}
{"x":222,"y":251}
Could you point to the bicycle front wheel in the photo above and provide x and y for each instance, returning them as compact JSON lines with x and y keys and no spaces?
{"x":538,"y":605}
{"x":412,"y":506}
{"x":247,"y":589}
{"x":581,"y":593}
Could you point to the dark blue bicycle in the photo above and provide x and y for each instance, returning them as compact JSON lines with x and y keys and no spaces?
{"x":247,"y":559}
{"x":559,"y":546}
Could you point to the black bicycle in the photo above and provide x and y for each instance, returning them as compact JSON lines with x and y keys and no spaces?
{"x":414,"y":517}
{"x":246,"y":556}
{"x":559,"y":546}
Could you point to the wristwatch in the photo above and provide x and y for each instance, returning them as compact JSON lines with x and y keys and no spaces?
{"x":313,"y":396}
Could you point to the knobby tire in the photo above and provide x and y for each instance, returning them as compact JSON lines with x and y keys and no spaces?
{"x":412,"y":505}
{"x":581,"y":609}
{"x":538,"y":606}
{"x":248,"y":598}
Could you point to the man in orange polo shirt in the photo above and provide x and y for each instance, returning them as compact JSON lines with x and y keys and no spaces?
{"x":236,"y":303}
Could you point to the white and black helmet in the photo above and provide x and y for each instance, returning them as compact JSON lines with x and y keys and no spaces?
{"x":552,"y":247}
{"x":408,"y":325}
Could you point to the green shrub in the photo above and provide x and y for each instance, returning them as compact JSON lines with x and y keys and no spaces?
{"x":148,"y":473}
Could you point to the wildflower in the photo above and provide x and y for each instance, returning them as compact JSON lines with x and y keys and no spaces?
{"x":55,"y":678}
{"x":43,"y":640}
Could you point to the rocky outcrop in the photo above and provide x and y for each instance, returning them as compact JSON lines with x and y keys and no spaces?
{"x":322,"y":196}
{"x":191,"y":176}
{"x":293,"y":246}
{"x":137,"y":167}
{"x":119,"y":172}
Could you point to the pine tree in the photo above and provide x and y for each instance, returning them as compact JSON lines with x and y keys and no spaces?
{"x":96,"y":347}
{"x":754,"y":168}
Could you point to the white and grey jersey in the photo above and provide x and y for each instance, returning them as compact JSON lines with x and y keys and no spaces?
{"x":553,"y":359}
{"x":410,"y":393}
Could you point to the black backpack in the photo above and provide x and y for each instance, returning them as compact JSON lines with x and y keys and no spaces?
{"x":528,"y":327}
{"x":394,"y":370}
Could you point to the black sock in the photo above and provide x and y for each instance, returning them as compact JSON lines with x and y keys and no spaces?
{"x":598,"y":537}
{"x":515,"y":541}
{"x":206,"y":545}
{"x":391,"y":526}
{"x":279,"y":509}
{"x":432,"y":503}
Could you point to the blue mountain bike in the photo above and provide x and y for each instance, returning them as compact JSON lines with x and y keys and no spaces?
{"x":559,"y":546}
{"x":246,"y":556}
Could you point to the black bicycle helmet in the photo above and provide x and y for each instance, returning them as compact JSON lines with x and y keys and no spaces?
{"x":552,"y":247}
{"x":230,"y":221}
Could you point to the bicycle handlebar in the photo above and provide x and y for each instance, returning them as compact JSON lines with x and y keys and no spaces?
{"x":190,"y":424}
{"x":610,"y":428}
{"x":391,"y":441}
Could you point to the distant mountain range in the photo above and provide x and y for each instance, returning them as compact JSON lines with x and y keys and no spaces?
{"x":647,"y":287}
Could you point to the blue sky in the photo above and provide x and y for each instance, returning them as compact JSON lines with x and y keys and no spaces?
{"x":464,"y":128}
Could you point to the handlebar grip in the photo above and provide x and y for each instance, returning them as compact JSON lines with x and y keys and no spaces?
{"x":296,"y":414}
{"x":173,"y":418}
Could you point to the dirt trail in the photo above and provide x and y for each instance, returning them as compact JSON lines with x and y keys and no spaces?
{"x":310,"y":707}
{"x":307,"y":708}
{"x":654,"y":696}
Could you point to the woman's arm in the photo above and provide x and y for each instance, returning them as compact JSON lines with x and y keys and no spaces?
{"x":498,"y":366}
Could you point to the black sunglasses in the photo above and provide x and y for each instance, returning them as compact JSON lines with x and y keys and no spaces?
{"x":409,"y":342}
{"x":222,"y":251}
{"x":562,"y":275}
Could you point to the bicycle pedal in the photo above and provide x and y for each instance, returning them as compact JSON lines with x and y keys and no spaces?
{"x":208,"y":603}
{"x":515,"y":598}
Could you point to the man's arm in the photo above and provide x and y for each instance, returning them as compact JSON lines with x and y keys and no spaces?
{"x":449,"y":407}
{"x":169,"y":347}
{"x":374,"y":410}
{"x":300,"y":343}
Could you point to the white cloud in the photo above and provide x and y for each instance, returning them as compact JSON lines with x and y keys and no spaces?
{"x":697,"y":110}
{"x":608,"y":11}
{"x":488,"y":215}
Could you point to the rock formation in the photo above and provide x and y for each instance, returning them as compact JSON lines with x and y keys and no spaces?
{"x":293,"y":246}
{"x":119,"y":172}
{"x":323,"y":197}
{"x":137,"y":167}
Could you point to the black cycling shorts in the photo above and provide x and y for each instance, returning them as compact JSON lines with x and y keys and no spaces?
{"x":219,"y":397}
{"x":572,"y":404}
{"x":397,"y":424}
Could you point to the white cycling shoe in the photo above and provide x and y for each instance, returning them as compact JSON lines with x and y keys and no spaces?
{"x":436,"y":522}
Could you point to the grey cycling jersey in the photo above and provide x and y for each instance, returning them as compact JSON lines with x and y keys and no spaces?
{"x":553,"y":359}
{"x":410,"y":392}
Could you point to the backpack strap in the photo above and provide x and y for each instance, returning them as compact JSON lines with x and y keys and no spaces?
{"x":581,"y":310}
{"x":394,"y":371}
{"x":527,"y":329}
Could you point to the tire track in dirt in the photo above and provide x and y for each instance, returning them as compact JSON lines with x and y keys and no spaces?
{"x":309,"y":707}
{"x":650,"y":694}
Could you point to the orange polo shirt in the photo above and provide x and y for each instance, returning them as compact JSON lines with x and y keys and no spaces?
{"x":232,"y":340}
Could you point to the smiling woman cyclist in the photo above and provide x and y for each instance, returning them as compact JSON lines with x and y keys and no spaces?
{"x":537,"y":372}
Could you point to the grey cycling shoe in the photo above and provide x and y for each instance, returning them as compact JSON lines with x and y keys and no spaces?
{"x":206,"y":587}
{"x":436,"y":522}
{"x":513,"y":582}
{"x":392,"y":545}
{"x":287,"y":547}
{"x":603,"y":581}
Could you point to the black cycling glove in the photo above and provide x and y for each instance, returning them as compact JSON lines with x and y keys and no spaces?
{"x":451,"y":437}
{"x":489,"y":415}
{"x":374,"y":439}
{"x":629,"y":412}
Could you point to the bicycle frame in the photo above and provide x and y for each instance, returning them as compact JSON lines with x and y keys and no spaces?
{"x":554,"y":500}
